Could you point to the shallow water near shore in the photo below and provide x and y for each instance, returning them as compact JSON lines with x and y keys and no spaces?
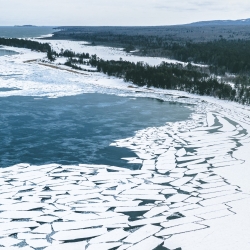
{"x":77,"y":129}
{"x":4,"y":52}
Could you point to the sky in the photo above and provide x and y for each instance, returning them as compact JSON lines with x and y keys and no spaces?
{"x":119,"y":12}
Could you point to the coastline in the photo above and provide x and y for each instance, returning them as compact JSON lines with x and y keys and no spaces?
{"x":173,"y":135}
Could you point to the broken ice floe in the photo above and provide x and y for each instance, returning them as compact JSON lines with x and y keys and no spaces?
{"x":104,"y":207}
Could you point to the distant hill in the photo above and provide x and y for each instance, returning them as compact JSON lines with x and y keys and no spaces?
{"x":240,"y":22}
{"x":27,"y":25}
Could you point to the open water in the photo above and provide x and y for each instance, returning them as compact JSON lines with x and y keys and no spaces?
{"x":24,"y":32}
{"x":77,"y":129}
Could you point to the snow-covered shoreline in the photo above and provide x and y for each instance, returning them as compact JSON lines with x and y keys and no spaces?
{"x":196,"y":171}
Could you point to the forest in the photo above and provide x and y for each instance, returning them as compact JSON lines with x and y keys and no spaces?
{"x":71,"y":54}
{"x":223,"y":55}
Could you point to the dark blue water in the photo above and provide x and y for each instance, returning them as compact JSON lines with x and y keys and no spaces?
{"x":76,"y":129}
{"x":24,"y":32}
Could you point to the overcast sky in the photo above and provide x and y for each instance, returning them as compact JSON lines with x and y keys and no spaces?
{"x":119,"y":12}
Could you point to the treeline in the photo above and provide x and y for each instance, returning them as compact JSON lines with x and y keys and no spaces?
{"x":223,"y":55}
{"x":172,"y":76}
{"x":23,"y":43}
{"x":72,"y":54}
{"x":75,"y":59}
{"x":27,"y":44}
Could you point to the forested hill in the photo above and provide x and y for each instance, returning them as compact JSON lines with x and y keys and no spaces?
{"x":239,"y":22}
{"x":223,"y":55}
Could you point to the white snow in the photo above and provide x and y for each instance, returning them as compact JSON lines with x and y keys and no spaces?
{"x":78,"y":234}
{"x":181,"y":229}
{"x":147,"y":244}
{"x":142,"y":233}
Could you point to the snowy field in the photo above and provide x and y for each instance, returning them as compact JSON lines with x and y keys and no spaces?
{"x":192,"y":190}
